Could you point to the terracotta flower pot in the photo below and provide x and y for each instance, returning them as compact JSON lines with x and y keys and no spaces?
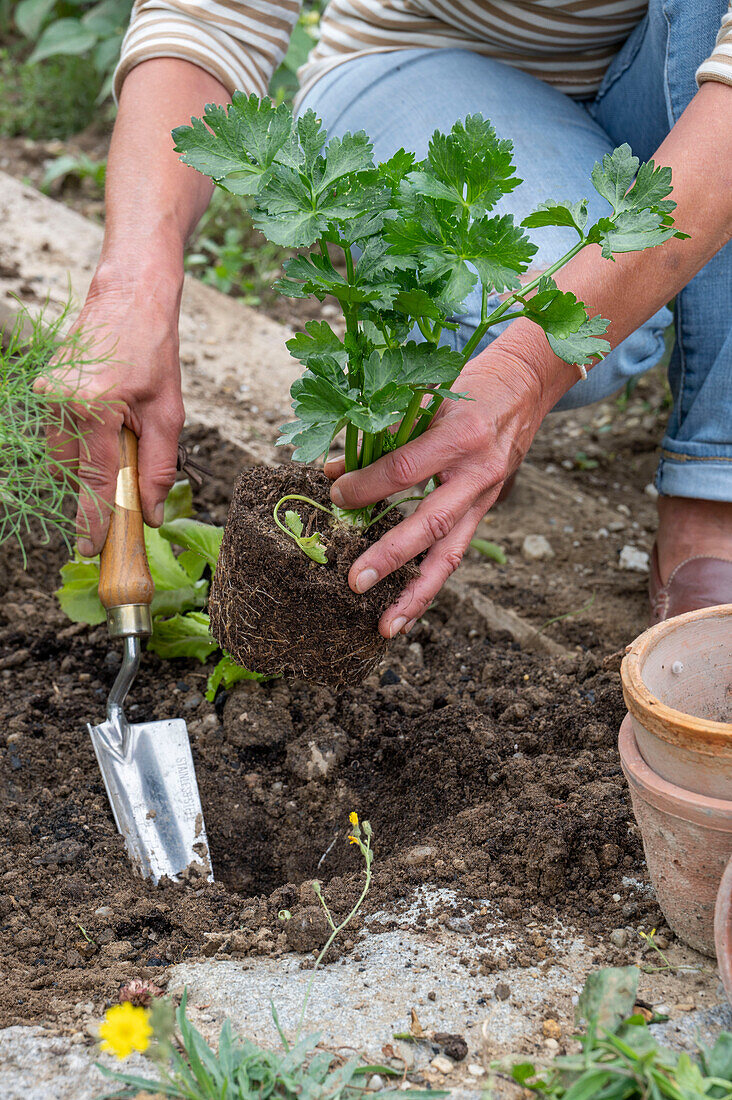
{"x":687,"y":838}
{"x":677,"y":683}
{"x":723,"y":930}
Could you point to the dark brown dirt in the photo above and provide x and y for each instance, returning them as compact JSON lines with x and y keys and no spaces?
{"x":278,"y":612}
{"x":482,"y":768}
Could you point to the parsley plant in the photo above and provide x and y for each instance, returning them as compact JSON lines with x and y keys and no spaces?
{"x":415,"y":238}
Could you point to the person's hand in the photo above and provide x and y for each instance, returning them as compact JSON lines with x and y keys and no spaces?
{"x":122,"y":367}
{"x":473,"y":446}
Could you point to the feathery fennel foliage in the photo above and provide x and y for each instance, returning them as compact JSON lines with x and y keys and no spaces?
{"x":33,"y":488}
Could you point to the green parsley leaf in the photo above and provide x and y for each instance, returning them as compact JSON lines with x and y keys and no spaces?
{"x":317,"y":340}
{"x":310,"y":440}
{"x":582,"y":346}
{"x":558,"y":312}
{"x":572,"y":214}
{"x":469,"y":167}
{"x":235,"y":146}
{"x":631,"y":231}
{"x":612,"y":178}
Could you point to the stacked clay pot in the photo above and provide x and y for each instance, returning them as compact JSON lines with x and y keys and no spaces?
{"x":676,"y":752}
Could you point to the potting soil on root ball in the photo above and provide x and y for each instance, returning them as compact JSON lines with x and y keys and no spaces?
{"x":274,"y":609}
{"x":484,"y":770}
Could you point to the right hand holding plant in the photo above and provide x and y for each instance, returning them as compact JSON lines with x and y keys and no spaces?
{"x":128,"y":372}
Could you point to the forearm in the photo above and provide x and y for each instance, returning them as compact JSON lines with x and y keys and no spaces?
{"x":153,"y":202}
{"x":633,"y":287}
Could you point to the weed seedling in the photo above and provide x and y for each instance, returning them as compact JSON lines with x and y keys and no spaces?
{"x":240,"y":1069}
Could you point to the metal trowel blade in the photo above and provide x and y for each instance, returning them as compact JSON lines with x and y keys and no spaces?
{"x":152,"y":789}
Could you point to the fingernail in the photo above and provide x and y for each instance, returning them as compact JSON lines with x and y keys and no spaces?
{"x":366,"y":579}
{"x":337,"y":496}
{"x":158,"y":514}
{"x":85,"y":548}
{"x":409,"y":626}
{"x":396,"y":625}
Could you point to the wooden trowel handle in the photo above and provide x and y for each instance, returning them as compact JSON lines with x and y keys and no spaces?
{"x":125,"y":585}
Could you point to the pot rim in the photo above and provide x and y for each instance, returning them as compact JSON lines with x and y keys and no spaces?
{"x":699,"y":809}
{"x":675,"y":726}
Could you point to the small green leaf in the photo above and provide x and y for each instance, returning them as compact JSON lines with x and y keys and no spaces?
{"x":582,"y":346}
{"x":179,"y":501}
{"x":571,"y":214}
{"x":612,"y":178}
{"x":312,"y":545}
{"x":608,"y":996}
{"x":226,"y":673}
{"x":489,"y":550}
{"x":235,"y":146}
{"x":78,"y":595}
{"x":203,"y":539}
{"x":183,"y":636}
{"x":317,"y":340}
{"x":557,"y":312}
{"x":468,"y":167}
{"x":63,"y":36}
{"x":30,"y":15}
{"x":166,"y":571}
{"x":294,"y":522}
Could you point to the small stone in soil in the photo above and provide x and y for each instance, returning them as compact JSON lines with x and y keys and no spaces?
{"x":502,"y":991}
{"x":619,"y":938}
{"x":634,"y":560}
{"x":423,"y":853}
{"x":476,"y":1071}
{"x":441,"y":1064}
{"x":389,"y":677}
{"x":536,"y":548}
{"x":454,"y":1046}
{"x":551,"y":1029}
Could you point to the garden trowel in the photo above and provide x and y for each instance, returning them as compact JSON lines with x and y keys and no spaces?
{"x":147,"y":766}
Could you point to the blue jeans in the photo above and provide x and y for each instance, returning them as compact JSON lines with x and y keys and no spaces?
{"x":400,"y":98}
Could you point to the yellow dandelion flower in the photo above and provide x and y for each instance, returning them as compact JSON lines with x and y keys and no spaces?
{"x":353,"y":818}
{"x":125,"y":1028}
{"x":353,"y":840}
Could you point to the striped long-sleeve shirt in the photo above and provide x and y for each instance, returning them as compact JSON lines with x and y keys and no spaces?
{"x":567,"y":43}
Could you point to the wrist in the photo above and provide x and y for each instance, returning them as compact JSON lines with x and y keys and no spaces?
{"x":546,"y":377}
{"x":151,"y":269}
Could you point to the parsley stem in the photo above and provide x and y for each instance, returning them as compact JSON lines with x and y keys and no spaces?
{"x":378,"y":446}
{"x":425,"y":418}
{"x":499,"y":313}
{"x":351,"y":448}
{"x":405,"y":427}
{"x":425,"y":330}
{"x":394,"y":504}
{"x":367,"y":449}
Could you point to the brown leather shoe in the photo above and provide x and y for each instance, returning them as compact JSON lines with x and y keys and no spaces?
{"x":701,"y":581}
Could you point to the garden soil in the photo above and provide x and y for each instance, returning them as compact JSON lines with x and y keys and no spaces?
{"x":482,"y":768}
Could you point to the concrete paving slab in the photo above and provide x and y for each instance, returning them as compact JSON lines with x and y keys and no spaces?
{"x":36,"y":1065}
